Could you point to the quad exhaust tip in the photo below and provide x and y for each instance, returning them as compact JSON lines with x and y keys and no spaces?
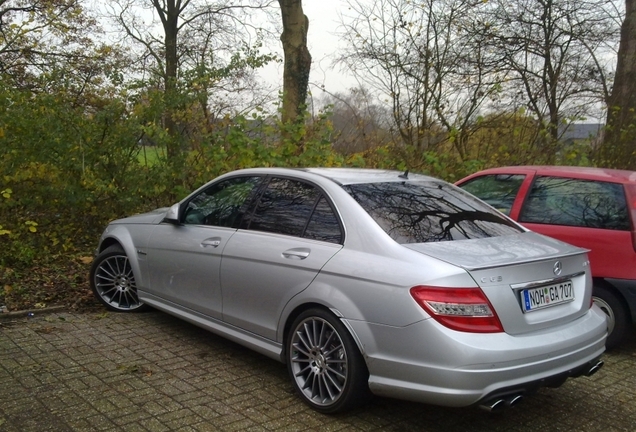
{"x":513,"y":400}
{"x":499,"y":404}
{"x":595,"y":368}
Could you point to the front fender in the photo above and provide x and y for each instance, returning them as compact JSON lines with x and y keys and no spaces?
{"x":133,"y":246}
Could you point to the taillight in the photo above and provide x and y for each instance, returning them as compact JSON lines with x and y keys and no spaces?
{"x":461,"y":309}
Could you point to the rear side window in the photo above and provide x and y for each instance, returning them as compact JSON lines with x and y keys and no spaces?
{"x":419,"y":212}
{"x":297,"y":209}
{"x":574,"y":202}
{"x":324,"y":224}
{"x":498,"y":190}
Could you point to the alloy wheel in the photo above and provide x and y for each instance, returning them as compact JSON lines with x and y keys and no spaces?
{"x":115,"y":284}
{"x":319,"y":361}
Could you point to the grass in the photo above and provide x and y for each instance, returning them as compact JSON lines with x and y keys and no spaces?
{"x":150,"y":155}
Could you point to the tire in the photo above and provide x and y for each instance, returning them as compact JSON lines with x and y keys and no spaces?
{"x":113,"y":282}
{"x":324,"y":363}
{"x":618,"y":321}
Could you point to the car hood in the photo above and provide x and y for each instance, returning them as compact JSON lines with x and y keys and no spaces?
{"x":151,"y":217}
{"x":497,"y":251}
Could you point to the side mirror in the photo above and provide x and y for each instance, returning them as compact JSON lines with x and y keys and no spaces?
{"x":172,"y":215}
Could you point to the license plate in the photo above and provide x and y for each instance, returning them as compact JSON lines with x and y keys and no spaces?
{"x":546,"y":296}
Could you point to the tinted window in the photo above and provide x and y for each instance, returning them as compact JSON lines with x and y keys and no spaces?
{"x":323,"y":224}
{"x":564,"y":201}
{"x":222,"y":204}
{"x":418,"y":212}
{"x":498,"y":190}
{"x":284,"y":207}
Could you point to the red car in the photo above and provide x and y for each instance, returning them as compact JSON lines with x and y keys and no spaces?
{"x":593,"y":208}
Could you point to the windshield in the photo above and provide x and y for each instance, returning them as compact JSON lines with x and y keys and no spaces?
{"x":429,"y":211}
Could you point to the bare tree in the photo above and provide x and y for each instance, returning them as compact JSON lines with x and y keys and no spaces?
{"x":190,"y":37}
{"x":359,"y":121}
{"x":552,"y":52}
{"x":444,"y":64}
{"x":297,"y":59}
{"x":424,"y":57}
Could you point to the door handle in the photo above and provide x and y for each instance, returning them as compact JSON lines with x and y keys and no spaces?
{"x":213,"y":241}
{"x":297,"y":254}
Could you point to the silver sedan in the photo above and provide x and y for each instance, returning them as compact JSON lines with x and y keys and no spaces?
{"x":363,"y":282}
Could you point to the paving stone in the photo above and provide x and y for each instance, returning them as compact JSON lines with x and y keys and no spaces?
{"x":150,"y":372}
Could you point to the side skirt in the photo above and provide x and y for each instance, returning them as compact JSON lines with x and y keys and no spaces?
{"x":254,"y":342}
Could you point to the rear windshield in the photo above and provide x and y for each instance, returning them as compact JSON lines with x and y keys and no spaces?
{"x":427,"y":211}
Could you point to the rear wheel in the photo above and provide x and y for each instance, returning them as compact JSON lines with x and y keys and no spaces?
{"x":113,"y":282}
{"x":618,"y":321}
{"x":325,"y":364}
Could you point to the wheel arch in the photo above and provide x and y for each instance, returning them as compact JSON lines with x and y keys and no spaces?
{"x":108,"y":242}
{"x":314,"y":305}
{"x":630,"y":307}
{"x":120,"y":236}
{"x":111,"y":280}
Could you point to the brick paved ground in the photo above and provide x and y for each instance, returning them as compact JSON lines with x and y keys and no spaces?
{"x":102,"y":371}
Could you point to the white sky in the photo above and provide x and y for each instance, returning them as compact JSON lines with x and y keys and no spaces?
{"x":323,"y":45}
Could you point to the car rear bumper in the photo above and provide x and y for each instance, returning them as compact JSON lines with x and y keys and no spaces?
{"x":504,"y":396}
{"x":428,"y":363}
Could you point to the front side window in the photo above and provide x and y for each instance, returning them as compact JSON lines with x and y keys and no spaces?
{"x":429,"y":211}
{"x":498,"y":190}
{"x":222,"y":204}
{"x":574,"y":202}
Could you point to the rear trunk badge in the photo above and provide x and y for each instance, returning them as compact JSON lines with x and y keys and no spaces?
{"x":557,"y":268}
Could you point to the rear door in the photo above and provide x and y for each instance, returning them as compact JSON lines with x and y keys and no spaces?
{"x":586,"y":213}
{"x":291,"y":234}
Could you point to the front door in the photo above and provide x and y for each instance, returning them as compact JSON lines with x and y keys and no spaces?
{"x":185,"y":259}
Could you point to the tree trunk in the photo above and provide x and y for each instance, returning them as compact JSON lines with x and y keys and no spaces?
{"x":297,"y":59}
{"x":619,"y":145}
{"x":170,"y":27}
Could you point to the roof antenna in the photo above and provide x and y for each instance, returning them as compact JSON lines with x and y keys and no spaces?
{"x":405,"y":175}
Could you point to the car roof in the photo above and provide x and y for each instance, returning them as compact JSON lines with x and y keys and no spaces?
{"x":587,"y":173}
{"x":342,"y":176}
{"x":345,"y":176}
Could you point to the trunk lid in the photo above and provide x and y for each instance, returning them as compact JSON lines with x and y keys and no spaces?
{"x":523,"y":271}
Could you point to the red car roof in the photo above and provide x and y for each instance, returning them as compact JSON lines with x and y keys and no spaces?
{"x":589,"y":173}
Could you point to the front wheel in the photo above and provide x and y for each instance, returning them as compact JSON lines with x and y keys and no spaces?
{"x":325,"y":364}
{"x":618,"y":321}
{"x":113,"y":282}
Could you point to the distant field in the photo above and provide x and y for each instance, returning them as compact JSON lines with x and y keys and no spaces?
{"x":149,"y":155}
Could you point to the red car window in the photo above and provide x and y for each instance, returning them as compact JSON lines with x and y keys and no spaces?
{"x":574,"y":202}
{"x":498,"y":190}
